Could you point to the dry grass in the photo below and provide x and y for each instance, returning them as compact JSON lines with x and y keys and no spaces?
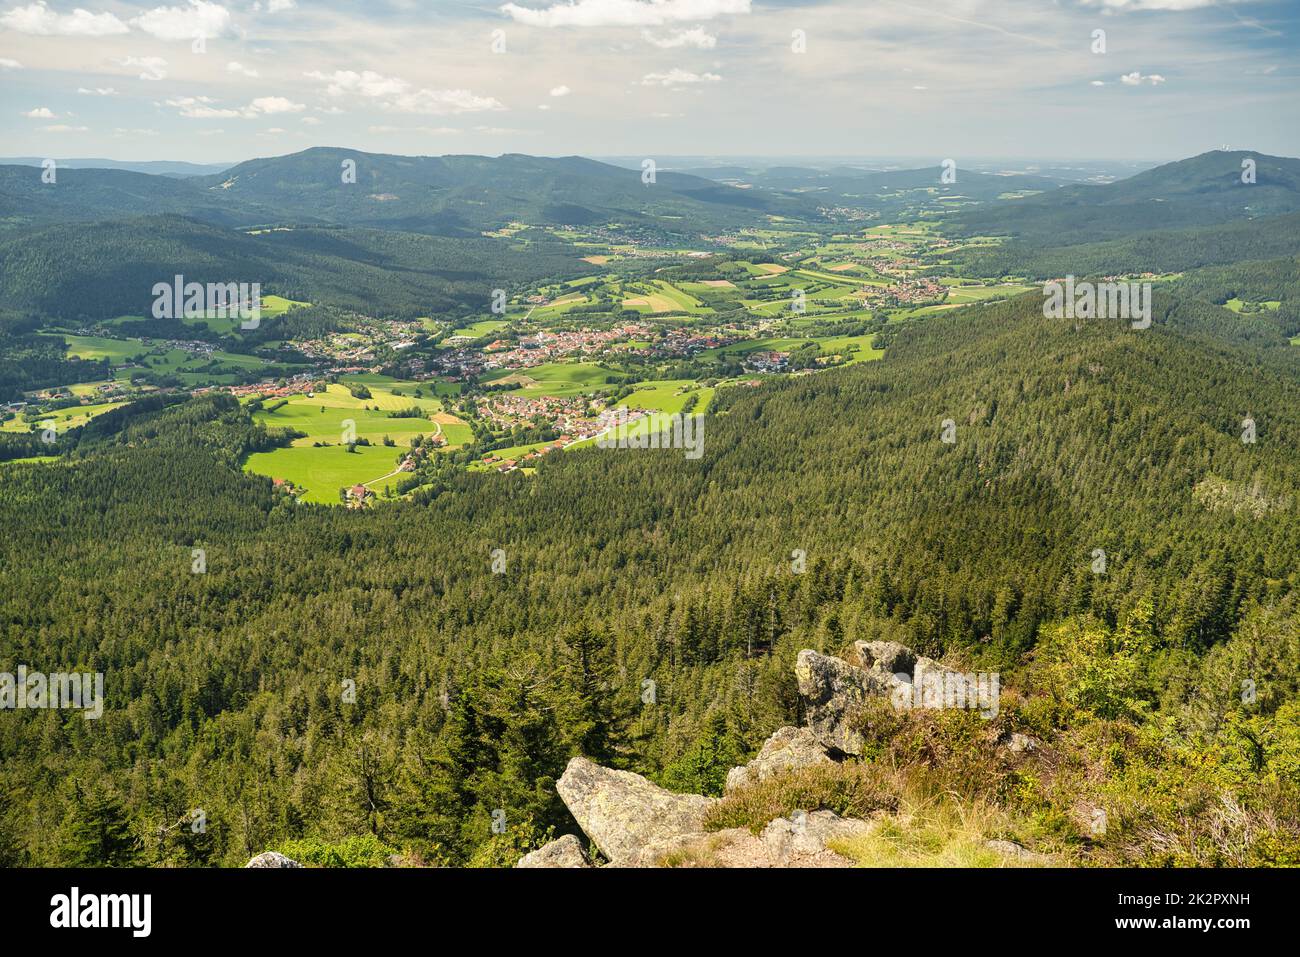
{"x":938,"y":830}
{"x":852,"y":789}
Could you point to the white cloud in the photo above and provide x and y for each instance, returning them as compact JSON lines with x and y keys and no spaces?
{"x":1097,"y":83}
{"x":235,"y":67}
{"x":201,"y":108}
{"x":543,"y":106}
{"x":125,"y":132}
{"x":624,"y":13}
{"x":677,"y":77}
{"x":150,"y":67}
{"x":397,"y":96}
{"x":311,"y":121}
{"x":560,"y":91}
{"x":199,"y":19}
{"x":274,"y":6}
{"x":368,"y":83}
{"x":1154,"y":4}
{"x":694,"y":37}
{"x":39,"y":20}
{"x":64,"y":128}
{"x":7,"y":64}
{"x":275,"y":104}
{"x":436,"y":130}
{"x":97,"y":91}
{"x":40,"y":113}
{"x":1135,"y":79}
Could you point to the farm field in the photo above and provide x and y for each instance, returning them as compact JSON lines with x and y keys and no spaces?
{"x":323,"y":471}
{"x":322,"y":416}
{"x":63,"y":419}
{"x":559,"y":379}
{"x":476,"y":330}
{"x":1237,"y":305}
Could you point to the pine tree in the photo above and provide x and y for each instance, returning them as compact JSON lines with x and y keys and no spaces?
{"x":97,"y":831}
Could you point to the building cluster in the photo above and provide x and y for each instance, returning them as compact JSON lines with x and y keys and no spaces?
{"x":508,"y":411}
{"x":361,"y":345}
{"x":904,"y":292}
{"x":767,"y":361}
{"x":575,"y":430}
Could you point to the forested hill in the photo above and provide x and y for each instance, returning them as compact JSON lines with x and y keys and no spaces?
{"x":888,"y":191}
{"x":453,"y":194}
{"x":473,"y":689}
{"x":108,"y":269}
{"x":1199,"y":191}
{"x":440,"y":195}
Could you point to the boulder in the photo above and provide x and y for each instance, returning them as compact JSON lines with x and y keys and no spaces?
{"x":833,"y":690}
{"x":566,"y":851}
{"x":885,"y":657}
{"x":1017,"y":851}
{"x":797,"y":841}
{"x":272,"y":859}
{"x":623,"y":812}
{"x":1019,"y":743}
{"x":787,"y":749}
{"x":803,"y":837}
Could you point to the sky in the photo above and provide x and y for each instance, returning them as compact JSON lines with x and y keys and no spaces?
{"x":209,"y":82}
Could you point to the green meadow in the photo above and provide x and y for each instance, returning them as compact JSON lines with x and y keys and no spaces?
{"x":559,"y":379}
{"x":323,"y":471}
{"x":63,"y":419}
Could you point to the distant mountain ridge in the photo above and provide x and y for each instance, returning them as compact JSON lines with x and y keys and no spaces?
{"x":439,"y":195}
{"x":1199,"y":191}
{"x":155,"y":167}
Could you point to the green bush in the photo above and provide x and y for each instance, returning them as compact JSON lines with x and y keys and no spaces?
{"x":361,"y":851}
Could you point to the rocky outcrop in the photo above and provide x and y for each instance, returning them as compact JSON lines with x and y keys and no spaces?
{"x":623,"y":812}
{"x":887,"y":658}
{"x":786,"y":750}
{"x":833,"y":692}
{"x":636,"y":823}
{"x":272,"y":859}
{"x":566,"y":851}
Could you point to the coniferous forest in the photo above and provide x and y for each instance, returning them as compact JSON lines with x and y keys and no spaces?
{"x":472,"y":689}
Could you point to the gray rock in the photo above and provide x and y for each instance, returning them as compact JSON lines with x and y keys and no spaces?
{"x":797,"y":841}
{"x":1019,"y":743}
{"x":803,"y":835}
{"x":565,"y":851}
{"x":885,"y":657}
{"x":1012,"y":849}
{"x":622,"y":812}
{"x":272,"y":859}
{"x":787,"y":749}
{"x":833,"y":691}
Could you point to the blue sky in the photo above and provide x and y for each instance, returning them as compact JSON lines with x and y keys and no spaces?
{"x":949,"y":78}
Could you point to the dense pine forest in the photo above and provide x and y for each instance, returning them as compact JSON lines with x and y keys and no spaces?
{"x":228,"y":689}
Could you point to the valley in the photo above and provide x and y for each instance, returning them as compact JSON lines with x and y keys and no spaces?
{"x":654,"y":330}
